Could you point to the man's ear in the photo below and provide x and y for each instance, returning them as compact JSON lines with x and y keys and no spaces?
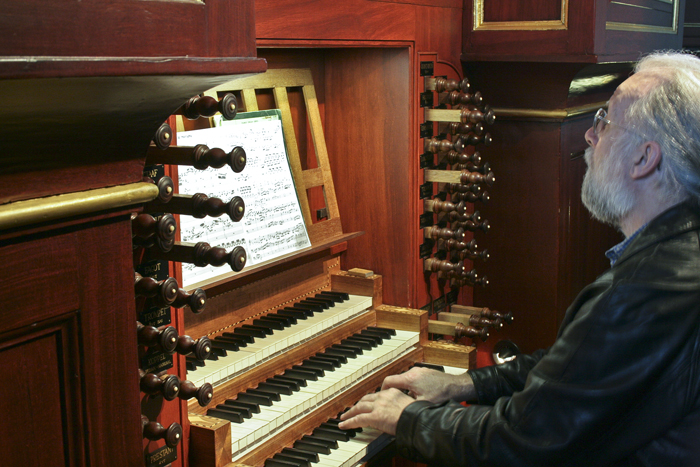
{"x":646,"y":161}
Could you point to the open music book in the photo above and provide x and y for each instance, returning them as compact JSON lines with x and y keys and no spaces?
{"x":273,"y":224}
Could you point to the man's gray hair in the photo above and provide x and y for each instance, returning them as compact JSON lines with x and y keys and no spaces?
{"x":670,"y":115}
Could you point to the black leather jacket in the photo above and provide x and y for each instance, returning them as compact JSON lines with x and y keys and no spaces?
{"x":619,"y":387}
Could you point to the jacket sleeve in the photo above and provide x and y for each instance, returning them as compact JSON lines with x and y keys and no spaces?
{"x":581,"y":404}
{"x":496,"y":381}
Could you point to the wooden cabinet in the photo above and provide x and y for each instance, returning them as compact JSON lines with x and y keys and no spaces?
{"x":84,"y":87}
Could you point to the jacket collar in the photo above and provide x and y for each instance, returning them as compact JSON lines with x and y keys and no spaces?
{"x":674,"y":221}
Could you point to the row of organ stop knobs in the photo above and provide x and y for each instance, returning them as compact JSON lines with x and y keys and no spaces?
{"x":153,"y":233}
{"x":460,"y":128}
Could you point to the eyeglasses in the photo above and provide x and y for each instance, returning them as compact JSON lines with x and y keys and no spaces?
{"x":600,"y":122}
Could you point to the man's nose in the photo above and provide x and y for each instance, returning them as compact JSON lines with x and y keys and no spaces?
{"x":591,"y":137}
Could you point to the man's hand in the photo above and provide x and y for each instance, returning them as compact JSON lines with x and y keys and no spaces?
{"x":433,"y":385}
{"x":380,"y":410}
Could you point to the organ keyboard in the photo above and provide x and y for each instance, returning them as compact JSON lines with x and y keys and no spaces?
{"x":296,"y":340}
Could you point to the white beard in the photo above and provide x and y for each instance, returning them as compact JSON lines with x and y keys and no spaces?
{"x":604,"y":192}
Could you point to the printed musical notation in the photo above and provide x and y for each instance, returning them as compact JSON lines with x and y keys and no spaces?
{"x":273,"y":224}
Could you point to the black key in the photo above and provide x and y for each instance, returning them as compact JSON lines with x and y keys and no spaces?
{"x":306,"y":311}
{"x":331,"y":443}
{"x":325,"y":366}
{"x":430,"y":365}
{"x":315,"y":301}
{"x":320,"y":372}
{"x":357,"y":343}
{"x":271,"y":323}
{"x":286,"y":320}
{"x":278,"y":388}
{"x":339,"y":357}
{"x":191,"y":366}
{"x":335,"y":421}
{"x":301,"y":373}
{"x":312,"y":447}
{"x":340,"y":353}
{"x":350,"y":348}
{"x":279,"y":463}
{"x":245,"y":413}
{"x":217,"y":343}
{"x":254,"y":399}
{"x":373,"y":340}
{"x":390,"y":331}
{"x":334,"y":427}
{"x":292,"y":385}
{"x":370,"y":332}
{"x":298,"y":460}
{"x":236,"y":337}
{"x":299,"y":382}
{"x":296,"y":314}
{"x":254,"y":408}
{"x":327,"y":300}
{"x":254,"y":331}
{"x":343,"y":295}
{"x":327,"y":433}
{"x":335,"y":297}
{"x":309,"y":455}
{"x":217,"y":352}
{"x":336,"y":362}
{"x":243,"y":409}
{"x":230,"y":416}
{"x":308,"y":307}
{"x":273,"y":396}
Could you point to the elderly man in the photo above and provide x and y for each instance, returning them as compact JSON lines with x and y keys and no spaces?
{"x":621,"y":384}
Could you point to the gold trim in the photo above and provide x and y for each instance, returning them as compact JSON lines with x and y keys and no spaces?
{"x":52,"y":208}
{"x":554,"y":114}
{"x":632,"y":27}
{"x":544,"y":25}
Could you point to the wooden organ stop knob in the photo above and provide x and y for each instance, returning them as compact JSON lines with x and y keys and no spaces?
{"x":199,"y":348}
{"x":462,"y":281}
{"x":464,"y":98}
{"x":200,"y":157}
{"x":445,"y":233}
{"x":472,"y":197}
{"x":166,"y":188}
{"x":484,"y":312}
{"x":473,"y":140}
{"x":454,"y":157}
{"x":199,"y":206}
{"x":463,"y":115}
{"x":165,"y":385}
{"x":163,"y":292}
{"x":452,"y":244}
{"x":438,"y":205}
{"x":202,"y":254}
{"x":164,"y":338}
{"x":444,"y":84}
{"x":457,"y":330}
{"x":437,"y":265}
{"x":463,"y":177}
{"x":155,"y":431}
{"x":196,"y":300}
{"x":461,"y":255}
{"x":207,"y":106}
{"x":145,"y":226}
{"x":163,"y":136}
{"x":434,"y":145}
{"x":475,"y":217}
{"x":202,"y":394}
{"x":472,"y":226}
{"x":470,"y":320}
{"x":458,"y":128}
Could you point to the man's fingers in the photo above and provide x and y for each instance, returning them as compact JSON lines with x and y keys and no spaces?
{"x":357,"y":421}
{"x":395,"y":381}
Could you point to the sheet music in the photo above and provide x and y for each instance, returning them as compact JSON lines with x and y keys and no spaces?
{"x":273,"y":224}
